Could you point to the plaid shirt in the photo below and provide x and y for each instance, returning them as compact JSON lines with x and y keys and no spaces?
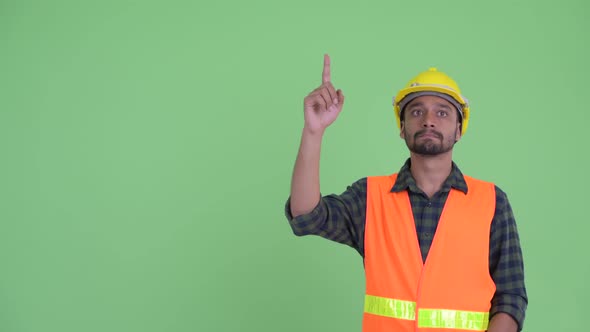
{"x":341,"y":218}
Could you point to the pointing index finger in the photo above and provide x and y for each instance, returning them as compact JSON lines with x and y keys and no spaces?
{"x":326,"y":73}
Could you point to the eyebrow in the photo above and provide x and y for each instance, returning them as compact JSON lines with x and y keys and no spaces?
{"x":414,"y":104}
{"x":422,"y":104}
{"x":443,"y":106}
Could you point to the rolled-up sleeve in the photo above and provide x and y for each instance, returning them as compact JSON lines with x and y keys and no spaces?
{"x":339,"y":218}
{"x":506,"y":263}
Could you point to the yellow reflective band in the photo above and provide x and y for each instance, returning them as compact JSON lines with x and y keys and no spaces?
{"x":427,"y":318}
{"x":390,"y":307}
{"x":453,"y":319}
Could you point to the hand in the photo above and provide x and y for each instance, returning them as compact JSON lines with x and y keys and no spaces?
{"x":322,"y":105}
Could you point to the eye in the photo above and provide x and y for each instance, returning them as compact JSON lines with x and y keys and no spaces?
{"x":443,"y":113}
{"x":416,"y":112}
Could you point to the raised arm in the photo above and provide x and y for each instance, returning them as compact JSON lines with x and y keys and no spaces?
{"x":321,"y":107}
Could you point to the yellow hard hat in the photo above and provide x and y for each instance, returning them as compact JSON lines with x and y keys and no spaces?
{"x":432,"y":82}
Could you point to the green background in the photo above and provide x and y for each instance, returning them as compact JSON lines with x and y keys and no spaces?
{"x":147,"y":149}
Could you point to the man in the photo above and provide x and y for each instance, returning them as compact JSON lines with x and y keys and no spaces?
{"x":441,"y":250}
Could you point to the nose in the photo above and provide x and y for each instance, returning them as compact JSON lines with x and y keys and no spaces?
{"x":428,"y":120}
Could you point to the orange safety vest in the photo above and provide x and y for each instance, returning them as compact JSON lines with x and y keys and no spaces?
{"x":452,"y":290}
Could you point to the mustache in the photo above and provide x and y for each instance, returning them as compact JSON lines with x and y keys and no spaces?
{"x":428,"y":131}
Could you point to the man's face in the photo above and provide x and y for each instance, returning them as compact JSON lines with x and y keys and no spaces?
{"x":430,"y":126}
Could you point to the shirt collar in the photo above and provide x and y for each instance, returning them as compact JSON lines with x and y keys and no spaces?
{"x":405,"y":180}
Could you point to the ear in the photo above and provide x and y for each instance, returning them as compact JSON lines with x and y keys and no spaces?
{"x":402,"y":133}
{"x":458,"y":132}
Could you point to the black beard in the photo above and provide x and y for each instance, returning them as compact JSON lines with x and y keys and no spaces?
{"x":430,"y":147}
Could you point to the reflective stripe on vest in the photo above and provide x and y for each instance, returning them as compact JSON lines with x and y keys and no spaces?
{"x":393,"y":308}
{"x":432,"y":318}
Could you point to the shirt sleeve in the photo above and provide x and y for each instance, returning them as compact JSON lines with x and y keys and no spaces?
{"x":340,"y":218}
{"x":506,"y":263}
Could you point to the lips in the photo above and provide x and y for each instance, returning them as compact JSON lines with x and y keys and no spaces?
{"x":429,"y":134}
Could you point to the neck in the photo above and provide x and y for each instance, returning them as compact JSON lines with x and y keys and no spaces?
{"x":430,"y":172}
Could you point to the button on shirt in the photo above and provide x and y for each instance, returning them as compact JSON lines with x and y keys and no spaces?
{"x":341,"y":218}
